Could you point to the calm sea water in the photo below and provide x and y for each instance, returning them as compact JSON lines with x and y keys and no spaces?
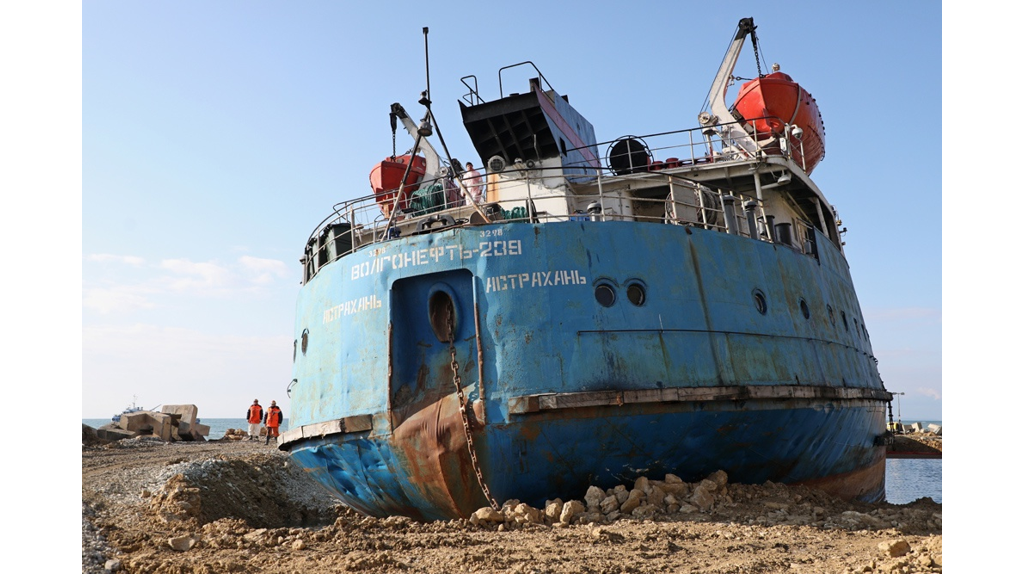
{"x":906,"y":479}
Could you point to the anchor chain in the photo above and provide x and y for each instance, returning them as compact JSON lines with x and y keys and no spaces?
{"x":465,"y":415}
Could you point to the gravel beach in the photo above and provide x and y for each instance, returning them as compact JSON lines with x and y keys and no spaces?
{"x":240,"y":506}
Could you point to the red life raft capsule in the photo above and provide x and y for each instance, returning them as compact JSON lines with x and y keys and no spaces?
{"x":386,"y":178}
{"x":769,"y":103}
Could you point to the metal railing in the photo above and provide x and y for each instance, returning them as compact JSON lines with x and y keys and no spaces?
{"x":362,"y":221}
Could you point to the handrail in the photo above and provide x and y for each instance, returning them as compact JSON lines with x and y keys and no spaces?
{"x":501,"y":90}
{"x":688,"y":202}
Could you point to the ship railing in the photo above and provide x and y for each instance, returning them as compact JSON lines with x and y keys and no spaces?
{"x":365,"y":220}
{"x":694,"y":146}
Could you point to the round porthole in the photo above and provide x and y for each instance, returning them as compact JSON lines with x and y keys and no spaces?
{"x":831,"y":315}
{"x":605,"y":294}
{"x":443,"y":320}
{"x":804,"y":309}
{"x":305,"y":340}
{"x":636,"y":294}
{"x":760,"y":303}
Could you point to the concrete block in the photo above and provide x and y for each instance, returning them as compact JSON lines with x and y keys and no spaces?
{"x":111,"y":432}
{"x":136,"y":422}
{"x":200,"y":429}
{"x":163,"y":425}
{"x":188,"y":412}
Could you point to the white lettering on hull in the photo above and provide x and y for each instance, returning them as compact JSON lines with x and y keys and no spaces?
{"x":350,"y":307}
{"x":430,"y":255}
{"x":535,"y":279}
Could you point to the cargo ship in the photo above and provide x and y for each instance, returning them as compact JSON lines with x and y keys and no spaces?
{"x":669,"y":303}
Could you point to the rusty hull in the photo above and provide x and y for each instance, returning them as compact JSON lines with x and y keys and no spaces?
{"x":694,"y":380}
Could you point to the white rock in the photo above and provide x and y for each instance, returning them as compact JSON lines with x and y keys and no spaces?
{"x":570,"y":510}
{"x":182,"y":543}
{"x":593,"y":497}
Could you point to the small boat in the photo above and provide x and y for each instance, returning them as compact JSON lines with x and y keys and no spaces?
{"x":610,"y":310}
{"x":132,"y":408}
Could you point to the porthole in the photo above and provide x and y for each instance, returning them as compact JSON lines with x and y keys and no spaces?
{"x":441,"y":311}
{"x":636,"y":294}
{"x":605,"y":294}
{"x":856,"y":328}
{"x":305,"y":340}
{"x":845,"y":324}
{"x":804,"y":309}
{"x":295,"y":349}
{"x":760,"y":303}
{"x":831,"y":315}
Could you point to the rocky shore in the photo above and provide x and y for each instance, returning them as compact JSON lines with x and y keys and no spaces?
{"x":240,"y":506}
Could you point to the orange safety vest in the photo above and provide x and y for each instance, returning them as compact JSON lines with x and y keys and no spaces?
{"x":255,"y":414}
{"x":274,"y":417}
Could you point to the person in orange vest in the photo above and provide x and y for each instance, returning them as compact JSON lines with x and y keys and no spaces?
{"x":254,"y":416}
{"x":273,"y":420}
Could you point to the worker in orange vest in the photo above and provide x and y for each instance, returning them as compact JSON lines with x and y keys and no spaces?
{"x":273,"y":420}
{"x":254,"y":416}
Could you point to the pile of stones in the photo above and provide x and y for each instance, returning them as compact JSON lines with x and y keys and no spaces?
{"x":646,"y":499}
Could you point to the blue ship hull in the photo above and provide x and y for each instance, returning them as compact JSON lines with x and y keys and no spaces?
{"x":740,"y":355}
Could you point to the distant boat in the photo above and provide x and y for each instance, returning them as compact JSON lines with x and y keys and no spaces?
{"x":129,"y":410}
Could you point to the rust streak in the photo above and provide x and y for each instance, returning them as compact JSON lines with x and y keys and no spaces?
{"x":479,"y":355}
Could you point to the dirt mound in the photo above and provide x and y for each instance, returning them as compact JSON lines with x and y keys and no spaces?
{"x":258,"y":490}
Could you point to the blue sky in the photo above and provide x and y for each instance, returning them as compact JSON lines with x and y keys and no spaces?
{"x":215,"y":136}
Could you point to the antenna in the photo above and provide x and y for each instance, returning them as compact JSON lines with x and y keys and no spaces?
{"x":426,"y":56}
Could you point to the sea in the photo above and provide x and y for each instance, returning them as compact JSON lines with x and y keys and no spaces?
{"x":906,"y":479}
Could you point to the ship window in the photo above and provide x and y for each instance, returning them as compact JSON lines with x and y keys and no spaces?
{"x":760,"y":303}
{"x":845,"y":324}
{"x":804,"y":310}
{"x":305,"y":340}
{"x":295,"y":349}
{"x":561,"y":143}
{"x":604,"y":294}
{"x":443,"y":321}
{"x":831,"y":315}
{"x":856,"y":328}
{"x":636,"y":294}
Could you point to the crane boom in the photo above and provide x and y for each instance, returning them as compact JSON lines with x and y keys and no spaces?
{"x":430,"y":154}
{"x":720,"y":113}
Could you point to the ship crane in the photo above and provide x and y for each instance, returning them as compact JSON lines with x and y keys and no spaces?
{"x":720,"y":112}
{"x":419,"y":133}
